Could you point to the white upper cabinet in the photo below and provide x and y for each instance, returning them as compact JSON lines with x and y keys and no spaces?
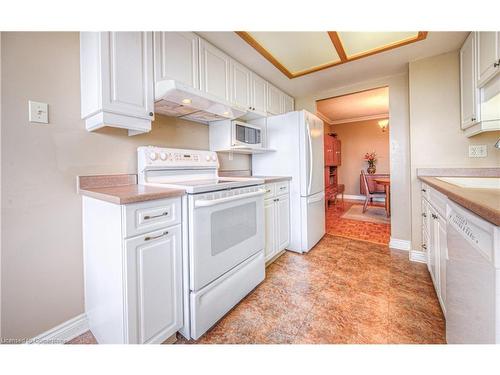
{"x":274,"y":97}
{"x":116,"y":72}
{"x":468,"y":90}
{"x":480,"y":83}
{"x":488,"y":55}
{"x":214,"y":71}
{"x":176,"y":57}
{"x":278,"y":102}
{"x":287,"y":104}
{"x":258,"y":87}
{"x":240,"y":85}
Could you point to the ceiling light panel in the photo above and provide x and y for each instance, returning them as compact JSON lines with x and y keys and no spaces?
{"x":298,"y":51}
{"x":359,"y":43}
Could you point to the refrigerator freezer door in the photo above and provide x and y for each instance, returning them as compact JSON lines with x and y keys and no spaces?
{"x":312,"y":161}
{"x":313,"y":220}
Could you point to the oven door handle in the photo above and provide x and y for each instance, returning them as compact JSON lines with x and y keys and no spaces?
{"x":212,"y":202}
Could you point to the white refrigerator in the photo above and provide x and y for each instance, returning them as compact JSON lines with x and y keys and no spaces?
{"x":297,"y":138}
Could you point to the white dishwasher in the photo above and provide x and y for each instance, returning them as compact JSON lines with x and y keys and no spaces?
{"x":472,"y":279}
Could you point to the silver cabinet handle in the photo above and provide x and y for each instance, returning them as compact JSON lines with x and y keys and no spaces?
{"x":155,"y":237}
{"x":283,"y":187}
{"x":147,"y":217}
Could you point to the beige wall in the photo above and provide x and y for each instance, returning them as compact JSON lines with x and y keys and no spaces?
{"x":436,"y":137}
{"x":398,"y":143}
{"x":357,"y":139}
{"x":42,"y":268}
{"x":0,"y":185}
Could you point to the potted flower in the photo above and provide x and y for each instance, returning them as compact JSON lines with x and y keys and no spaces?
{"x":371,"y":158}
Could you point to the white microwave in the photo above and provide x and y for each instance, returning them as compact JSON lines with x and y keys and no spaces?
{"x":245,"y":135}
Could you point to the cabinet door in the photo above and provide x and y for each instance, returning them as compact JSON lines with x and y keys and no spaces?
{"x":287,"y":103}
{"x":425,"y":227}
{"x":443,"y":257}
{"x":127,"y":74}
{"x":434,"y":248}
{"x":273,"y":100}
{"x":329,"y":160}
{"x":336,"y":152}
{"x":468,"y":91}
{"x":488,"y":55}
{"x":154,"y":285}
{"x":240,"y":86}
{"x":282,"y":222}
{"x":270,"y":230}
{"x":176,"y":57}
{"x":214,"y":71}
{"x":259,"y":93}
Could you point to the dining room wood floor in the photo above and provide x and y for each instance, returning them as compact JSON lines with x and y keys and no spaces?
{"x":342,"y":292}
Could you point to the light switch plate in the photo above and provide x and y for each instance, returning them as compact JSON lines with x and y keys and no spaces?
{"x":478,"y":151}
{"x":38,"y":112}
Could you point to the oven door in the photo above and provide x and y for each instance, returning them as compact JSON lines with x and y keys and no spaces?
{"x":225,"y":228}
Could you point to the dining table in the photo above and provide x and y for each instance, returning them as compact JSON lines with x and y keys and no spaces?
{"x":386,"y":183}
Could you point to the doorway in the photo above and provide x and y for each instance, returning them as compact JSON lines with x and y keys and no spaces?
{"x":357,"y":164}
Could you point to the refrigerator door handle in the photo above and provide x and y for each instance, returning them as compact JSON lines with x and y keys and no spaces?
{"x":310,"y":158}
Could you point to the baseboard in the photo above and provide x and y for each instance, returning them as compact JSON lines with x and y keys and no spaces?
{"x":418,"y":256}
{"x":63,"y":332}
{"x":361,"y":198}
{"x":398,"y":244}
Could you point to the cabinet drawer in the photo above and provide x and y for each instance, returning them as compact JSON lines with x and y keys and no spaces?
{"x":282,"y":188}
{"x":270,"y":190}
{"x":147,"y":216}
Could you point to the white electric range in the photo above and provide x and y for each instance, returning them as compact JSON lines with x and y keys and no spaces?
{"x":223,"y":231}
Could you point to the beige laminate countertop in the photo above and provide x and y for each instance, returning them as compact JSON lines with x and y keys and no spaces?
{"x":131,"y":193}
{"x":271,"y":179}
{"x":483,"y":202}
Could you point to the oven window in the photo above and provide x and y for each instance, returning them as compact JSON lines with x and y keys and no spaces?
{"x":232,"y":226}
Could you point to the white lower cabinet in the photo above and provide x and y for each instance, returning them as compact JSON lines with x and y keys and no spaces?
{"x":133,"y":278}
{"x":434,"y":239}
{"x":283,"y":221}
{"x":270,"y":230}
{"x":154,"y":285}
{"x":277,"y":219}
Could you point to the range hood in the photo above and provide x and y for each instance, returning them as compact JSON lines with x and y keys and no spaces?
{"x":176,"y":99}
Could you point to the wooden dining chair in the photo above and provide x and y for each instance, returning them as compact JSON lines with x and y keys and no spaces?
{"x":370,"y":194}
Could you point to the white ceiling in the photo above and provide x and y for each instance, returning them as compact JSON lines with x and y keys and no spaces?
{"x":355,"y":107}
{"x":379,"y":65}
{"x":298,"y":51}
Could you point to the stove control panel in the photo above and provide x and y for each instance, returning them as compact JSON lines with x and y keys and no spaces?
{"x":157,"y":157}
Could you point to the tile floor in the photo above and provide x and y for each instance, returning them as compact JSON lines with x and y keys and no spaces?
{"x":342,"y":292}
{"x":360,"y":230}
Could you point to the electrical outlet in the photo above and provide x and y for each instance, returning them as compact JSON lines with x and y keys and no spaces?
{"x":478,"y":151}
{"x":38,"y":112}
